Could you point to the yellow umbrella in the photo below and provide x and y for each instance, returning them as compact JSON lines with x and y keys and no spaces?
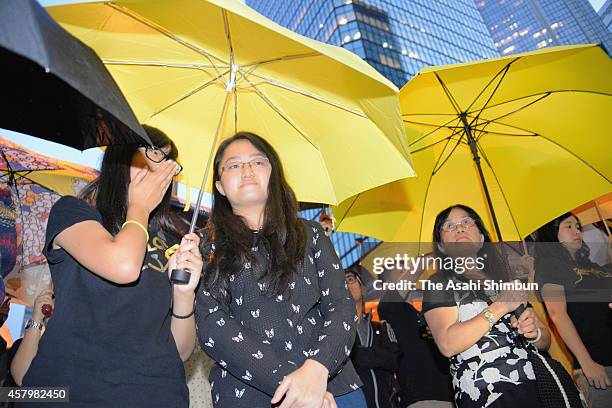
{"x":202,"y":70}
{"x":538,"y":124}
{"x":599,"y":209}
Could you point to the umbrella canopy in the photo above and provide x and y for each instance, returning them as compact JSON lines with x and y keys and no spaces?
{"x":56,"y":87}
{"x":599,"y":209}
{"x":537,"y":124}
{"x":203,"y":70}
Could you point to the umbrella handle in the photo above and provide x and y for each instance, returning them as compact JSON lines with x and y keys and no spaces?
{"x":180,"y":277}
{"x":601,"y":217}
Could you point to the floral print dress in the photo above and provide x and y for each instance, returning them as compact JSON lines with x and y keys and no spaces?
{"x":494,"y":372}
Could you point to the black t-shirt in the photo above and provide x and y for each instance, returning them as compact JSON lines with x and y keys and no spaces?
{"x":586,"y":289}
{"x":111,"y":344}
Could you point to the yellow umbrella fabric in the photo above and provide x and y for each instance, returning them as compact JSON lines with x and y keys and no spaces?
{"x":596,"y":210}
{"x":202,"y":70}
{"x":540,"y":124}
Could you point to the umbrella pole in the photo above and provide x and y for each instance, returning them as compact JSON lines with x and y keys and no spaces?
{"x":181,"y":276}
{"x":601,"y":217}
{"x":476,"y":157}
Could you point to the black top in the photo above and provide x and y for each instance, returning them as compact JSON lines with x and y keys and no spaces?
{"x":587,"y":290}
{"x":257,"y":340}
{"x":423,"y":371}
{"x":111,"y":344}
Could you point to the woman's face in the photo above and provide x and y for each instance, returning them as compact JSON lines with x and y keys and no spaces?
{"x":460,"y":234}
{"x":570,"y":234}
{"x":244,"y":175}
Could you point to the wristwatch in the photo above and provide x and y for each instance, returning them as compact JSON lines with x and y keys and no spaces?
{"x":33,"y":323}
{"x":488,"y":315}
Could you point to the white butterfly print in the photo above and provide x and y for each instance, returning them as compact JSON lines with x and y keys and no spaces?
{"x":314,"y":230}
{"x":258,"y":355}
{"x":247,"y":376}
{"x":317,"y":254}
{"x":213,"y":310}
{"x":296,"y":308}
{"x":279,"y":298}
{"x":262,"y":286}
{"x":216,"y":398}
{"x":288,"y":345}
{"x":336,"y":266}
{"x":221,"y":322}
{"x":299,"y":329}
{"x":354,"y":387}
{"x":205,"y":293}
{"x":212,"y":384}
{"x":232,"y":277}
{"x":239,"y":301}
{"x":210,"y":343}
{"x":312,"y":321}
{"x":310,"y":352}
{"x":290,"y":323}
{"x":255,"y":249}
{"x":310,"y":259}
{"x":222,"y":363}
{"x":347,"y":351}
{"x":321,"y":337}
{"x":307,"y":280}
{"x":255,"y":313}
{"x":223,"y":373}
{"x":325,"y":292}
{"x":346,"y":326}
{"x":239,"y":392}
{"x":270,"y":333}
{"x":265,"y":342}
{"x":292,"y":285}
{"x":314,"y":240}
{"x":355,"y":318}
{"x":321,"y":273}
{"x":247,"y":265}
{"x":238,"y":338}
{"x":327,"y":323}
{"x":331,"y":309}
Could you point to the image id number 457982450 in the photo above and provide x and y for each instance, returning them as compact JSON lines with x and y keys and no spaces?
{"x":23,"y":394}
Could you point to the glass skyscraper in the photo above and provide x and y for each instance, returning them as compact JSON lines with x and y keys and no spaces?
{"x":605,"y":12}
{"x":397,"y":37}
{"x":526,"y":25}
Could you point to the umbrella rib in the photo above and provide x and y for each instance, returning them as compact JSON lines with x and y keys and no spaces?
{"x":257,"y":64}
{"x":282,"y":115}
{"x":432,"y":125}
{"x":168,"y":34}
{"x":190,"y":93}
{"x":483,"y":154}
{"x":347,"y":210}
{"x":307,"y":94}
{"x":438,"y":168}
{"x":432,"y":132}
{"x":527,"y":132}
{"x":577,"y":157}
{"x":505,"y":71}
{"x":517,"y":109}
{"x":201,"y":67}
{"x":448,"y":94}
{"x":435,"y":143}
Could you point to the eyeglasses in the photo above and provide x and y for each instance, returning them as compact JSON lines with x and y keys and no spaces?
{"x":157,"y":155}
{"x":466,"y":222}
{"x":235,"y":167}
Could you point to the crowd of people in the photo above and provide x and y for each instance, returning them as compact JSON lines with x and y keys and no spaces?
{"x":269,"y":302}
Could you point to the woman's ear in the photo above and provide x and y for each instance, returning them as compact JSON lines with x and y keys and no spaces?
{"x":440,"y":247}
{"x":481,"y":237}
{"x":220,"y":187}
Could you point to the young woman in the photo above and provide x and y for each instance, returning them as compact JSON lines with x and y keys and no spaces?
{"x":475,"y":328}
{"x":576,"y":292}
{"x":119,"y":329}
{"x":274,"y":310}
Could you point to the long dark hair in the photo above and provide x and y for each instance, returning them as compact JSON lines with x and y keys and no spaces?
{"x":495,"y":266}
{"x":548,"y":235}
{"x":109,"y":192}
{"x":282,"y":232}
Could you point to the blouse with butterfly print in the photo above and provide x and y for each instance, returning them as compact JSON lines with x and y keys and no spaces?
{"x":260,"y":339}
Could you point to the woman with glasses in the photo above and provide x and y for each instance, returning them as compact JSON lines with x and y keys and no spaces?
{"x":474,"y":327}
{"x":120,"y":330}
{"x":576,"y":292}
{"x":274,"y":311}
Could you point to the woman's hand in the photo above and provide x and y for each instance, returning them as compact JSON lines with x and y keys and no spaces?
{"x":189,"y":258}
{"x":596,"y":375}
{"x":44,"y":297}
{"x":329,"y":401}
{"x":304,"y":388}
{"x":526,"y":324}
{"x":510,"y":300}
{"x":147,"y":188}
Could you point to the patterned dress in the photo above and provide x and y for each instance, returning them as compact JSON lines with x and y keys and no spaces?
{"x":256,"y":340}
{"x":494,"y":372}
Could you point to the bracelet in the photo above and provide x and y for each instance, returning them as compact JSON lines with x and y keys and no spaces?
{"x":34,"y":324}
{"x":139,"y":224}
{"x":186,"y":316}
{"x":538,"y":337}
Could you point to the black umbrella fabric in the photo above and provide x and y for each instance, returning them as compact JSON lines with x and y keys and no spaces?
{"x":55,"y":87}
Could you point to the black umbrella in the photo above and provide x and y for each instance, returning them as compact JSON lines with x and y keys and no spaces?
{"x":55,"y":87}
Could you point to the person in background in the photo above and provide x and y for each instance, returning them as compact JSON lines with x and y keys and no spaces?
{"x":376,"y":353}
{"x":565,"y":274}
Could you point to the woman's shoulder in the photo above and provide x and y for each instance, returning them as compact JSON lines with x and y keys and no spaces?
{"x":71,"y":205}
